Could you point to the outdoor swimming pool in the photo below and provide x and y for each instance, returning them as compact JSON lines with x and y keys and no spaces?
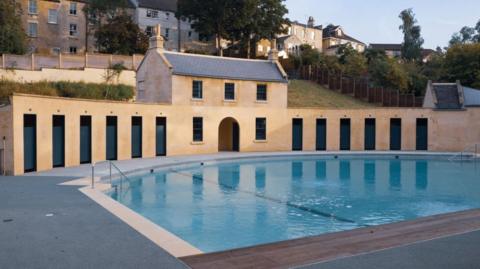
{"x":235,"y":204}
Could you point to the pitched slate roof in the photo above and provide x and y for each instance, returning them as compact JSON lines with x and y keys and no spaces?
{"x":472,"y":96}
{"x":165,"y":5}
{"x":447,"y":96}
{"x":223,"y":67}
{"x":330,"y":32}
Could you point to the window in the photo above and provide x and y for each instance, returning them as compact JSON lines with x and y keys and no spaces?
{"x":32,"y":29}
{"x":56,"y":51}
{"x":152,"y":13}
{"x":229,"y":91}
{"x":73,"y":29}
{"x":73,"y":50}
{"x":32,"y":6}
{"x":168,"y":15}
{"x":197,"y":129}
{"x":167,"y":32}
{"x":52,"y":16}
{"x":197,"y":89}
{"x":73,"y":8}
{"x":261,"y":129}
{"x":189,"y":34}
{"x":149,"y":30}
{"x":261,"y":92}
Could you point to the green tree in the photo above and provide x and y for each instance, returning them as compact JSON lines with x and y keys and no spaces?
{"x":12,"y":35}
{"x":412,"y":39}
{"x":211,"y":18}
{"x":462,"y":62}
{"x":260,"y":19}
{"x":354,"y":63}
{"x":388,"y":73}
{"x":121,"y":35}
{"x":98,"y":12}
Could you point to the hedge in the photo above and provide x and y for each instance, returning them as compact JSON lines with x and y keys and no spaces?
{"x":82,"y":90}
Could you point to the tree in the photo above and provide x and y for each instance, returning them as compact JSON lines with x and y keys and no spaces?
{"x":260,"y":19}
{"x":121,"y":35}
{"x":462,"y":62}
{"x":354,"y":63}
{"x":412,"y":39}
{"x":12,"y":36}
{"x":388,"y":73}
{"x":211,"y":18}
{"x":98,"y":12}
{"x":466,"y":35}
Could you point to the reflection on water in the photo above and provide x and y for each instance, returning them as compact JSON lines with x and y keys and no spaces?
{"x":236,"y":205}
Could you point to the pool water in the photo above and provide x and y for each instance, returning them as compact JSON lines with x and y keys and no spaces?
{"x":245,"y":203}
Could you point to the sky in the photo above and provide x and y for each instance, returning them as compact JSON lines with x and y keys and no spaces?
{"x":376,"y":21}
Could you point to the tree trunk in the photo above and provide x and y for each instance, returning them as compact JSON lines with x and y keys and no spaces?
{"x":219,"y":45}
{"x":249,"y":48}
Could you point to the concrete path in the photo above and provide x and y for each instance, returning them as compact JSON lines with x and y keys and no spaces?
{"x":43,"y":225}
{"x":459,"y":252}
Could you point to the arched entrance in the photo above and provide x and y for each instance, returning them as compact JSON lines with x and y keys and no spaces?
{"x":229,"y":135}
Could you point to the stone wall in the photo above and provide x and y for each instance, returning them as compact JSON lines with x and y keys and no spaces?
{"x":448,"y":131}
{"x":89,"y":75}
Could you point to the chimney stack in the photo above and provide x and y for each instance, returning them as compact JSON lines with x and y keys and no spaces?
{"x":311,"y":22}
{"x":157,"y":40}
{"x":273,"y":53}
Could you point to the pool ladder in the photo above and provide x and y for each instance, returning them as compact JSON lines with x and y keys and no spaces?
{"x":123,"y":178}
{"x":469,"y":153}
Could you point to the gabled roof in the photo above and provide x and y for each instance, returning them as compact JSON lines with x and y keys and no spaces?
{"x":164,"y":5}
{"x":447,"y":96}
{"x":331,"y":32}
{"x":472,"y":96}
{"x":282,"y":39}
{"x":184,"y":64}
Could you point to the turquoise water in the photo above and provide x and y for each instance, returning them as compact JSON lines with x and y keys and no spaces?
{"x":232,"y":205}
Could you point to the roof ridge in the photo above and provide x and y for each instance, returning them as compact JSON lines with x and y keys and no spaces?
{"x":217,"y":57}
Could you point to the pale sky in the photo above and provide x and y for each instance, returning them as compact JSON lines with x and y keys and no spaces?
{"x":376,"y":21}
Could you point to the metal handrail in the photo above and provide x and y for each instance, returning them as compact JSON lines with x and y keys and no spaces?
{"x":470,"y":149}
{"x":122,"y":176}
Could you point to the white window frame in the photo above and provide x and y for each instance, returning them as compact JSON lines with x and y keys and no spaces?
{"x":73,"y":32}
{"x":73,"y":9}
{"x":152,"y":13}
{"x":30,"y":23}
{"x":52,"y":16}
{"x":32,"y":7}
{"x":149,"y":30}
{"x":167,"y":32}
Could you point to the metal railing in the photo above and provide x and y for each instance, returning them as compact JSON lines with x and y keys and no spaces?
{"x":467,"y":154}
{"x":123,"y":178}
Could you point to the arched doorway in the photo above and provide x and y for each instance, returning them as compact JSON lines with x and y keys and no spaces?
{"x":229,"y":135}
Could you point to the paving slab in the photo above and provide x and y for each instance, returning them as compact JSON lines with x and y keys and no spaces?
{"x":44,"y":225}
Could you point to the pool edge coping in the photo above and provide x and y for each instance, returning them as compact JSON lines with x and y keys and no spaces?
{"x":161,"y":237}
{"x":178,"y":247}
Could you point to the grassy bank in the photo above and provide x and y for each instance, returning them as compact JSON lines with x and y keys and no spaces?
{"x":68,"y":89}
{"x":303,"y":93}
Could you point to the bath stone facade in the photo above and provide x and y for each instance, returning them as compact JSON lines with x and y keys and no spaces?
{"x":171,"y":77}
{"x":179,"y":129}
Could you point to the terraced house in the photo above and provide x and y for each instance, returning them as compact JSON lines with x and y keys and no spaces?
{"x":56,"y":26}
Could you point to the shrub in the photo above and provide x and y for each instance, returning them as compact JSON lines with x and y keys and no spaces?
{"x":68,"y":89}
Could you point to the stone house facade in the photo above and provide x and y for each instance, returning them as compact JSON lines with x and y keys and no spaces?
{"x":56,"y":27}
{"x":334,"y":36}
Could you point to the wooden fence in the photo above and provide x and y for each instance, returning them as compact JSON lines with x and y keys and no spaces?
{"x":69,"y":61}
{"x":359,"y":88}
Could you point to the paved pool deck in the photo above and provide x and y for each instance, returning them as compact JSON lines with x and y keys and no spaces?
{"x":47,"y":225}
